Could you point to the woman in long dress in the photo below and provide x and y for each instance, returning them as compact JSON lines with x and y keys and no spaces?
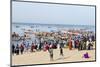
{"x":46,"y":46}
{"x":70,"y":45}
{"x":32,"y":47}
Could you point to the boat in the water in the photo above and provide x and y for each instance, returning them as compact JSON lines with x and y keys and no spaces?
{"x":49,"y":27}
{"x":17,"y":26}
{"x":32,"y":26}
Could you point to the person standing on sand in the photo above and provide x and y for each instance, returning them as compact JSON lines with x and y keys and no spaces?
{"x":84,"y":42}
{"x":21,"y":48}
{"x":17,"y":49}
{"x":27,"y":47}
{"x":39,"y":44}
{"x":90,"y":46}
{"x":13,"y":49}
{"x":73,"y":43}
{"x":44,"y":46}
{"x":47,"y":46}
{"x":51,"y":53}
{"x":32,"y":47}
{"x":61,"y":44}
{"x":80,"y":47}
{"x":70,"y":45}
{"x":61,"y":51}
{"x":87,"y":43}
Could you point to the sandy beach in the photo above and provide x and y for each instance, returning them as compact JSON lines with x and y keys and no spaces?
{"x":42,"y":57}
{"x":65,"y":38}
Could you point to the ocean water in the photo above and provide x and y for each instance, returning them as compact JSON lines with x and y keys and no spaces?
{"x":21,"y":27}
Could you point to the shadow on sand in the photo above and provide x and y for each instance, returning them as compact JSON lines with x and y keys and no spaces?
{"x":62,"y":58}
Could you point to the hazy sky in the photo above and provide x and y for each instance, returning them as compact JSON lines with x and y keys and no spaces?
{"x":24,"y":12}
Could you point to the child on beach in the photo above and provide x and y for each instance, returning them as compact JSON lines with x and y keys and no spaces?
{"x":86,"y":55}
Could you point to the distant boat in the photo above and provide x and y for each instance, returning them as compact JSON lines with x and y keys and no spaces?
{"x":32,"y":26}
{"x":17,"y":26}
{"x":49,"y":27}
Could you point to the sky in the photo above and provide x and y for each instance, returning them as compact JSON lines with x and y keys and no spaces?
{"x":25,"y":12}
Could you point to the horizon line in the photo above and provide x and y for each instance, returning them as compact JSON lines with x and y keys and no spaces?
{"x":48,"y":23}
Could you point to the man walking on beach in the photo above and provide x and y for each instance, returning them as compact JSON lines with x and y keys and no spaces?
{"x":61,"y":51}
{"x":51,"y":53}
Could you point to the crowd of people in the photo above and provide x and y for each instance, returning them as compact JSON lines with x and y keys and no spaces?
{"x":83,"y":42}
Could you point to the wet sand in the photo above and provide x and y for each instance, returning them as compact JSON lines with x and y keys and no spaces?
{"x":41,"y":57}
